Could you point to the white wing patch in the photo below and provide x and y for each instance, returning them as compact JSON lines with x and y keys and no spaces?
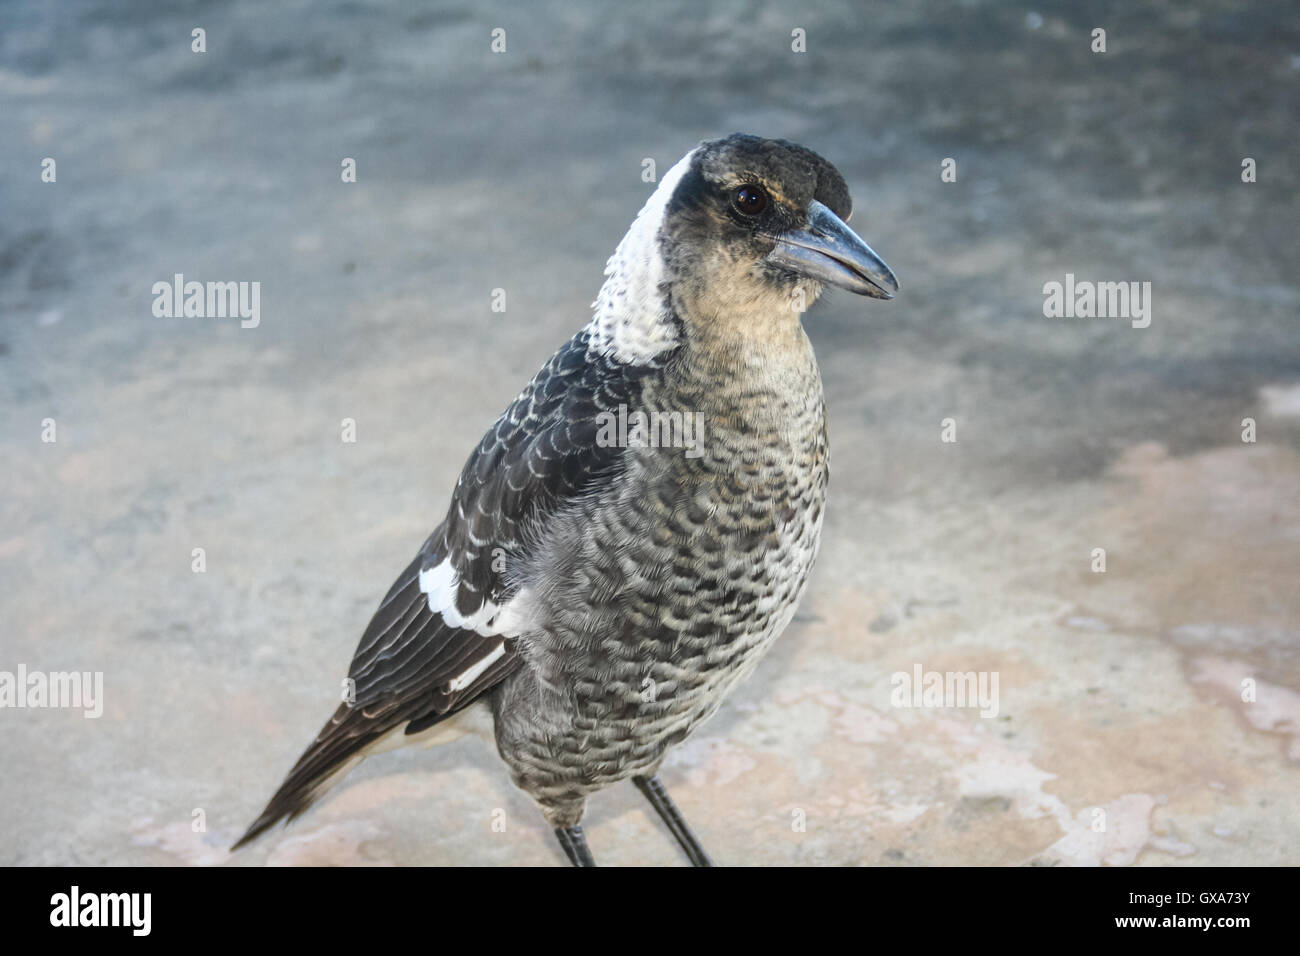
{"x":517,"y":617}
{"x":441,"y":585}
{"x":630,"y":322}
{"x":468,"y":677}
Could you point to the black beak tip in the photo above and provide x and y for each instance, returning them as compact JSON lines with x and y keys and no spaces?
{"x":879,"y":286}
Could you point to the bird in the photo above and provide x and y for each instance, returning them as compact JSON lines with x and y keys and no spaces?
{"x":637,"y":528}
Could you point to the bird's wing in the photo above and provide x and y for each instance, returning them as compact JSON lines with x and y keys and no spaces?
{"x":440,"y":637}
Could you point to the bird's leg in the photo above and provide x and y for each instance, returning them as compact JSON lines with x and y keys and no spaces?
{"x":654,"y":792}
{"x":575,"y":845}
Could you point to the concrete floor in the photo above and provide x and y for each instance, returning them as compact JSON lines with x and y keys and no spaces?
{"x":1119,"y":691}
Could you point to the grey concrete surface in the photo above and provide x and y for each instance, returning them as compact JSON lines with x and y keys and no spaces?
{"x":1120,"y":692}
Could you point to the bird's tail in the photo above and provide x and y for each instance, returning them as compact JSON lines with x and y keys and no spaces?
{"x":341,"y":745}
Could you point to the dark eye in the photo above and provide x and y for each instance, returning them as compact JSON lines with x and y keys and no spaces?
{"x":749,"y":200}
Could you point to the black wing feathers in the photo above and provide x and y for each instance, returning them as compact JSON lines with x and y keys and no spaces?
{"x":541,"y":452}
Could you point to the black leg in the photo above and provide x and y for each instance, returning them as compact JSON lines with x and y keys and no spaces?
{"x":654,"y":792}
{"x":575,"y":846}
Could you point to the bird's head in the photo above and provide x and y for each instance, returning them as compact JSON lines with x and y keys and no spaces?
{"x":743,"y":231}
{"x":758,"y":217}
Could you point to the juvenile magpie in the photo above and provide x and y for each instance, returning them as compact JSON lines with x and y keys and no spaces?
{"x":597,"y":590}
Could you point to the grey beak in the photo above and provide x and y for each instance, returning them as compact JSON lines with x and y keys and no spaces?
{"x":829,"y":251}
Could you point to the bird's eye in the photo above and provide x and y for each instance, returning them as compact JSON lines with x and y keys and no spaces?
{"x":749,"y":200}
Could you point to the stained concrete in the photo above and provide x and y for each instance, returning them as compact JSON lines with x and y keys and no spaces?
{"x":1120,"y":692}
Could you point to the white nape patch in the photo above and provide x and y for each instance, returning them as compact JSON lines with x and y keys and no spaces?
{"x":441,"y":584}
{"x":630,"y":321}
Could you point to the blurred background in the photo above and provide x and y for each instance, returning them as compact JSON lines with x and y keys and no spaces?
{"x":1161,"y":696}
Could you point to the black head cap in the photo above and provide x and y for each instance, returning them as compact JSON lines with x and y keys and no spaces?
{"x":752,"y":222}
{"x":793,"y":174}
